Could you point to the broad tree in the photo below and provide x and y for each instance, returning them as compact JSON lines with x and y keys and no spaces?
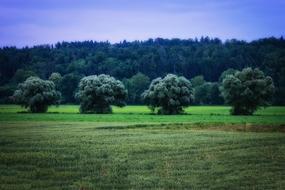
{"x":229,"y":71}
{"x":36,"y":94}
{"x":247,"y":90}
{"x":98,"y":93}
{"x":169,"y":94}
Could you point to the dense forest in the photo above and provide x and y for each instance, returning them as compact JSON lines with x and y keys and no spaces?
{"x":205,"y":61}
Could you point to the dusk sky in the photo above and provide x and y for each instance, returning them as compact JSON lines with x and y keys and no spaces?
{"x":34,"y":22}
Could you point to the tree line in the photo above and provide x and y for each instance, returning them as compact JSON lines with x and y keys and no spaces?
{"x":205,"y":62}
{"x":246,"y":91}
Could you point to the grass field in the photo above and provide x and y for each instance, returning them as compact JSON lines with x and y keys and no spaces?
{"x":141,"y":114}
{"x":132,"y":149}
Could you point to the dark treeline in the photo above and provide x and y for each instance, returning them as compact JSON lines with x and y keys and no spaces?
{"x":137,"y":63}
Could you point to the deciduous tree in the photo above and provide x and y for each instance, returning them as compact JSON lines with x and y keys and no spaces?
{"x":247,"y":90}
{"x":169,"y":94}
{"x":36,"y":94}
{"x":98,"y":93}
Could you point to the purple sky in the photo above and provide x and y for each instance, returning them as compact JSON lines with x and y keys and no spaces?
{"x":32,"y":22}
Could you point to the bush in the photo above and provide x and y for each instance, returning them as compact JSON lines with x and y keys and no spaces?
{"x":170,"y":94}
{"x":36,"y":94}
{"x":97,"y":93}
{"x":247,"y":90}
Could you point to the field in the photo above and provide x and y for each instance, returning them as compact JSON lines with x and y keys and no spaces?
{"x":205,"y":148}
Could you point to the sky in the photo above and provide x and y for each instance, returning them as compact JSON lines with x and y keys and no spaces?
{"x":35,"y":22}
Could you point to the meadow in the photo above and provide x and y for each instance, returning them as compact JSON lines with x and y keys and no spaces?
{"x":205,"y":148}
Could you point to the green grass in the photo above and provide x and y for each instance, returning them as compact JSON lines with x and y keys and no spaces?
{"x":217,"y":110}
{"x":141,"y":114}
{"x":132,"y":149}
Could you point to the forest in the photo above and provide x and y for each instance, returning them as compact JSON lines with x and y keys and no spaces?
{"x":204,"y":61}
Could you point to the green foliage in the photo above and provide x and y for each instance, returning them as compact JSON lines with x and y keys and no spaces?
{"x":136,"y":85}
{"x":77,"y":66}
{"x":207,"y":93}
{"x":21,"y":75}
{"x":197,"y":81}
{"x":36,"y":94}
{"x":97,"y":93}
{"x":169,"y":94}
{"x":68,"y":86}
{"x":56,"y":79}
{"x":202,"y":93}
{"x":247,"y":90}
{"x":229,"y":71}
{"x":215,"y":94}
{"x":6,"y":92}
{"x":154,"y":58}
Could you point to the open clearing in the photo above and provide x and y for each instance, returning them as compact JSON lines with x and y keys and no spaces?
{"x":132,"y":149}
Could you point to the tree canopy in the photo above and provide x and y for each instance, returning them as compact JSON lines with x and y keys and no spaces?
{"x":98,"y":93}
{"x":169,"y":94}
{"x":36,"y":94}
{"x":207,"y":57}
{"x":247,"y":90}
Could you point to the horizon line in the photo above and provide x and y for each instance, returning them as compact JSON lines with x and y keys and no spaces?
{"x":51,"y":44}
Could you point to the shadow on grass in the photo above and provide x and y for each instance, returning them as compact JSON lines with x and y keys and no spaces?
{"x":243,"y":127}
{"x":153,"y":114}
{"x":28,"y":112}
